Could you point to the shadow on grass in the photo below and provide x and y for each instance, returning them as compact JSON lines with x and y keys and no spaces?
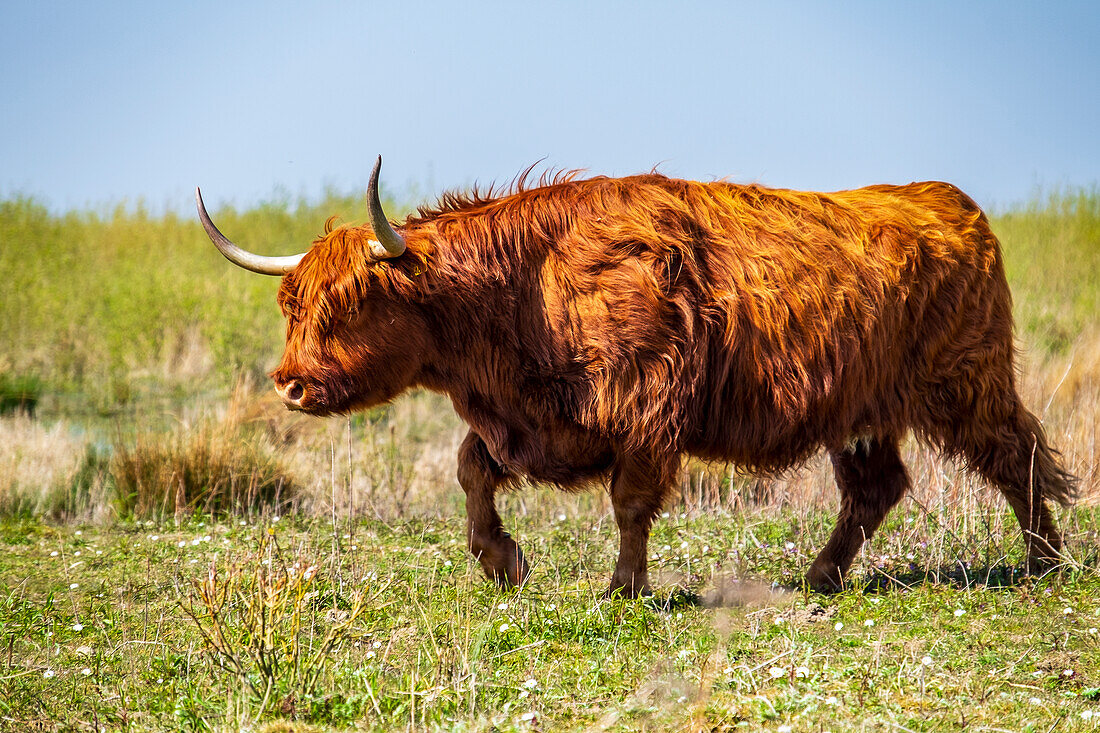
{"x":964,"y":577}
{"x":727,"y":591}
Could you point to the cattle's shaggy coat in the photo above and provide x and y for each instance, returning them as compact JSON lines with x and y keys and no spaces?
{"x":607,"y":327}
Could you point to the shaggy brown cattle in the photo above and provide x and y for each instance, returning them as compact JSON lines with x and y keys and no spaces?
{"x":605,"y":328}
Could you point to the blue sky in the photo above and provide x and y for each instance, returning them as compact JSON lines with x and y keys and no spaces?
{"x":109,"y":102}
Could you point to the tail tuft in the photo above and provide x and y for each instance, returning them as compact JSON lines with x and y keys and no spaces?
{"x":1048,"y":474}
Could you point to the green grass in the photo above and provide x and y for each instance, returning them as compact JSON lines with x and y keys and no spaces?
{"x":120,"y":309}
{"x":95,"y":631}
{"x":1052,"y":258}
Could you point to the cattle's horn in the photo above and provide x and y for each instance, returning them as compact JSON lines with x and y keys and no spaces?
{"x":240,"y":257}
{"x":392,"y":244}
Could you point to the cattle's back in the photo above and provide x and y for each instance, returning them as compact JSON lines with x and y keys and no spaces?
{"x":752,"y":323}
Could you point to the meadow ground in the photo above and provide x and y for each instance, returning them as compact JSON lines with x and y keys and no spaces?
{"x":178,"y":552}
{"x":374,"y":625}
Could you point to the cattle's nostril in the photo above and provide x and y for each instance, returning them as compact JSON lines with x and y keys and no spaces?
{"x":295,"y":391}
{"x":291,"y":392}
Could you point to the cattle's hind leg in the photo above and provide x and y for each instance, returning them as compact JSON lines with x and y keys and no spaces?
{"x":480,"y":476}
{"x":872,"y":479}
{"x":638,"y":488}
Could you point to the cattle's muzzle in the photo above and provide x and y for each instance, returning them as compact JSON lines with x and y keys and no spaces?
{"x":292,"y":392}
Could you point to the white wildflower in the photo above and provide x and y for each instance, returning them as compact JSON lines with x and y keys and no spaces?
{"x":777,"y":672}
{"x":959,"y":612}
{"x":49,"y":673}
{"x":869,"y":622}
{"x":838,"y":625}
{"x":926,"y":660}
{"x":801,"y":671}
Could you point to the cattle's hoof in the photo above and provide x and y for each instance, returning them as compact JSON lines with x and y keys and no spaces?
{"x":826,"y":580}
{"x":513,"y":576}
{"x":505,"y":565}
{"x":1042,"y":564}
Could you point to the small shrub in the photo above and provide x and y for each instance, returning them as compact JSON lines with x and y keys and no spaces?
{"x":271,"y":621}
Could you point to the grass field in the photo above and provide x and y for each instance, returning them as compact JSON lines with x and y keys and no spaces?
{"x":938,"y":635}
{"x":178,"y":552}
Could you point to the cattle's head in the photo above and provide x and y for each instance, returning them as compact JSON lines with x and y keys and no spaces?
{"x":350,"y":343}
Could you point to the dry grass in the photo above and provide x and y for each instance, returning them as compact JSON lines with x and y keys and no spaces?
{"x":48,"y":471}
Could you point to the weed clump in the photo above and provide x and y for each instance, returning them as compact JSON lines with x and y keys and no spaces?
{"x":215,"y":468}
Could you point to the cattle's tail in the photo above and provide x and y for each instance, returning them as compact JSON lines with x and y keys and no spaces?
{"x":1046,"y":471}
{"x":1006,"y":444}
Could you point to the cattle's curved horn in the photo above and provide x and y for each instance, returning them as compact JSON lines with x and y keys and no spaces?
{"x":240,"y":257}
{"x":392,"y":244}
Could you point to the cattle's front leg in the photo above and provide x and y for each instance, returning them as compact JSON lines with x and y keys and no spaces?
{"x":638,"y":488}
{"x":480,"y":476}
